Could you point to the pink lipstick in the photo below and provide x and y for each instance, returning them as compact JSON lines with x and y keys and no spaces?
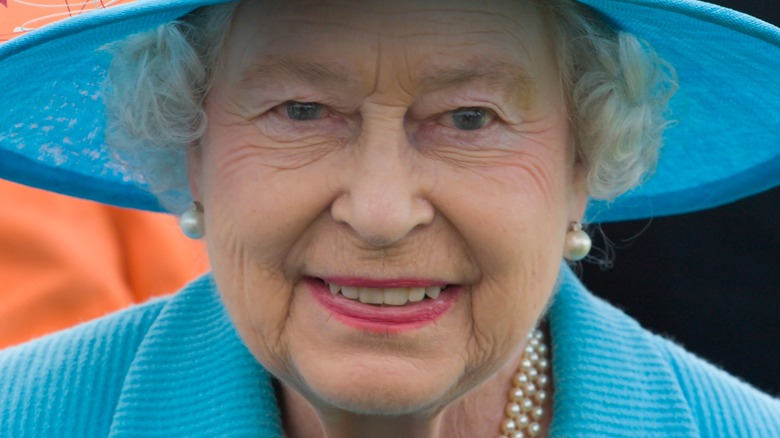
{"x":384,"y":319}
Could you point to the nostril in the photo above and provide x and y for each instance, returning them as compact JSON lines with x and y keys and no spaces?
{"x":382,"y":219}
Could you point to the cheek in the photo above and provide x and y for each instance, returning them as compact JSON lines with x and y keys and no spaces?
{"x":517,"y":247}
{"x":256,"y":215}
{"x":519,"y":260}
{"x":527,"y":201}
{"x":250,"y":199}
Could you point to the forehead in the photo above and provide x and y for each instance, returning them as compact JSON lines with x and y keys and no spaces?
{"x":420,"y":37}
{"x":399,"y":18}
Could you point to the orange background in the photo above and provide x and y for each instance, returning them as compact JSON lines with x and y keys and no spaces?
{"x":19,"y":16}
{"x":64,"y":260}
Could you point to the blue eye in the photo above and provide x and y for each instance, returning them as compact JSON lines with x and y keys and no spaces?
{"x":471,"y":118}
{"x":303,"y":111}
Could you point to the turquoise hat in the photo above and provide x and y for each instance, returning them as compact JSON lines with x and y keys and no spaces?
{"x":724,"y":144}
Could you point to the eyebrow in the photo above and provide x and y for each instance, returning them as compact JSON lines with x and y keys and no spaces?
{"x":509,"y":76}
{"x":331,"y":74}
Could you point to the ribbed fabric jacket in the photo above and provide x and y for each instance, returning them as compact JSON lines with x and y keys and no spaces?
{"x":176,"y":367}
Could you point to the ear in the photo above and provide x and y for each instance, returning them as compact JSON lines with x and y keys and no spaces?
{"x":194,"y":157}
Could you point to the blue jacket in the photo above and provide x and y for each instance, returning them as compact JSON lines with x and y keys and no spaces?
{"x":176,"y":367}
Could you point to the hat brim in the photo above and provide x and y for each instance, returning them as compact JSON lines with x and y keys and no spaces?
{"x":724,"y":143}
{"x":724,"y":140}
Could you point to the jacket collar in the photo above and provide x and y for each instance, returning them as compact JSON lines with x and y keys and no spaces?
{"x":192,"y":376}
{"x":611,"y":376}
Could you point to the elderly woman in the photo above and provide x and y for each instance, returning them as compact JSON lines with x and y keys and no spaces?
{"x":387,"y":191}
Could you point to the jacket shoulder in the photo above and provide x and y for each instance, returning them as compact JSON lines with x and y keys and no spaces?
{"x":722,"y":405}
{"x":48,"y":385}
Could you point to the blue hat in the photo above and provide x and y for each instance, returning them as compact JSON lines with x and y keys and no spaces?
{"x":724,"y":145}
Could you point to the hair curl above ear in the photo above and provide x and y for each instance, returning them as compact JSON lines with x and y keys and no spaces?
{"x":617,"y":90}
{"x":157,"y":83}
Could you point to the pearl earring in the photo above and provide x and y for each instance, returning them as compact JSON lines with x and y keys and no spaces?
{"x":577,"y":243}
{"x":191,"y":221}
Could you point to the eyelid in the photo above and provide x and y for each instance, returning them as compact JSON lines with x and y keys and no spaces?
{"x":446,"y":118}
{"x":434,"y":106}
{"x":495,"y":111}
{"x":282,"y":110}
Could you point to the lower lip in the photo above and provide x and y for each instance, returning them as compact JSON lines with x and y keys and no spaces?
{"x":382,"y":319}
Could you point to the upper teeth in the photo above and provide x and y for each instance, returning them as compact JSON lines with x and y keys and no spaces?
{"x":394,"y":296}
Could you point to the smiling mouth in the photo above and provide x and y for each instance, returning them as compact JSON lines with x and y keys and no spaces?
{"x":391,"y":296}
{"x":381,"y":305}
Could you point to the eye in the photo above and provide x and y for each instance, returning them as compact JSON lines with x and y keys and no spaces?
{"x":304,"y":111}
{"x":470,"y":118}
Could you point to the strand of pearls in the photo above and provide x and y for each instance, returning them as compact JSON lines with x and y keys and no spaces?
{"x":528,"y":394}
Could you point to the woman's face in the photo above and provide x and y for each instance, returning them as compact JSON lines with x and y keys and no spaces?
{"x":389,"y":151}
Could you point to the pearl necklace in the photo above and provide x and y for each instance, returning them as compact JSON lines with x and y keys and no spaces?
{"x":528,"y":394}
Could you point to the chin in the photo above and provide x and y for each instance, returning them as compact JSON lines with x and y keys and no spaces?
{"x":376,"y":393}
{"x":375,"y":401}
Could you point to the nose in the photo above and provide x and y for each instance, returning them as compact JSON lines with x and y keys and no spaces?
{"x":383,"y":198}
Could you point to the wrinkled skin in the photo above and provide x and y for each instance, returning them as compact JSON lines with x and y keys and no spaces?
{"x":392,"y":174}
